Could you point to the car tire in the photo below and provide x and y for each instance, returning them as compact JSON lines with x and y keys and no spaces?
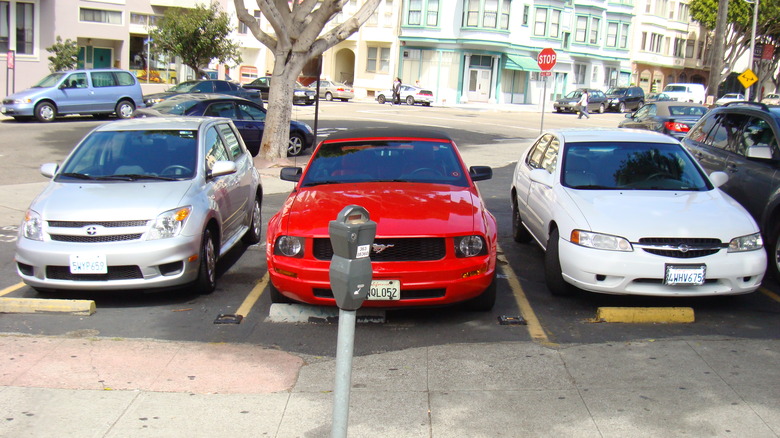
{"x":345,"y":100}
{"x":641,"y":104}
{"x":409,"y":100}
{"x":553,"y":275}
{"x":485,"y":301}
{"x":427,"y":103}
{"x":207,"y":270}
{"x":45,"y":112}
{"x":328,"y":96}
{"x":773,"y":252}
{"x":519,"y":233}
{"x":381,"y":99}
{"x":276,"y":296}
{"x":558,"y":110}
{"x":296,"y":145}
{"x":602,"y":108}
{"x":255,"y":230}
{"x":124,"y":109}
{"x":622,"y":107}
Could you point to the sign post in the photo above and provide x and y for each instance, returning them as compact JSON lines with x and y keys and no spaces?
{"x":546,"y":60}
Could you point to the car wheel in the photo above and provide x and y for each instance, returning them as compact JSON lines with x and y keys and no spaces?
{"x":409,"y":100}
{"x":276,"y":296}
{"x":552,"y":268}
{"x":519,"y":232}
{"x":255,"y":230}
{"x":328,"y":96}
{"x":296,"y":145}
{"x":485,"y":301}
{"x":773,"y":252}
{"x":602,"y":108}
{"x":124,"y":109}
{"x":207,"y":271}
{"x":558,"y":110}
{"x":381,"y":99}
{"x":622,"y":107}
{"x":640,"y":105}
{"x":45,"y":112}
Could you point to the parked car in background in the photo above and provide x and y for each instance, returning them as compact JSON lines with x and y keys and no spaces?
{"x":730,"y":97}
{"x":335,"y":90}
{"x":671,"y":118}
{"x":741,"y":139}
{"x":658,"y":97}
{"x":100,"y":92}
{"x":142,"y":204}
{"x":435,"y":240}
{"x":409,"y":95}
{"x":205,"y":86}
{"x":597,"y":101}
{"x":302,"y":95}
{"x":686,"y":92}
{"x":248,"y":117}
{"x":771,"y":99}
{"x":631,"y":212}
{"x":622,"y":99}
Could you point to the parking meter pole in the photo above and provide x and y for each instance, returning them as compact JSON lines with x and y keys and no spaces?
{"x":544,"y":100}
{"x":344,"y":352}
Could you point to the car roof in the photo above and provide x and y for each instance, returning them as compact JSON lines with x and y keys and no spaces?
{"x":611,"y":135}
{"x":156,"y":123}
{"x":207,"y":96}
{"x":668,"y":103}
{"x":388,"y":133}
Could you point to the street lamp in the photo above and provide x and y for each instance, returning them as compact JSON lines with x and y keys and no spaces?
{"x":752,"y":42}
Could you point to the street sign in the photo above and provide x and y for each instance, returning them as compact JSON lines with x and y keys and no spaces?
{"x":547,"y":59}
{"x":747,"y":78}
{"x":545,"y":73}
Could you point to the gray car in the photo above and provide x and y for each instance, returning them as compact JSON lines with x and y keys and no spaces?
{"x":142,"y":204}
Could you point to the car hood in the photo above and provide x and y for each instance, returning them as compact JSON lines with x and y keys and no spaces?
{"x":407,"y":209}
{"x":30,"y":93}
{"x":568,"y":100}
{"x":615,"y":96}
{"x":635,"y":214}
{"x":113,"y":201}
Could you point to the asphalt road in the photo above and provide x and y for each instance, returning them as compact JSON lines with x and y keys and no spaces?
{"x":496,"y":136}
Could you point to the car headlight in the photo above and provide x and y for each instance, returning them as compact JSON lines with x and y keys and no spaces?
{"x":151,"y":102}
{"x":290,"y":246}
{"x":32,"y":227}
{"x":470,"y":246}
{"x":17,"y":101}
{"x":600,"y":241}
{"x":169,"y":224}
{"x":299,"y":93}
{"x":750,"y":242}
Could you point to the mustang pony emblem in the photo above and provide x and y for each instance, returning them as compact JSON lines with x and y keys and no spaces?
{"x":378,"y":247}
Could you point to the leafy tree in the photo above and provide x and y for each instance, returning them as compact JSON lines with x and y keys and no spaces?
{"x":298,"y":37}
{"x":197,"y":36}
{"x":65,"y":55}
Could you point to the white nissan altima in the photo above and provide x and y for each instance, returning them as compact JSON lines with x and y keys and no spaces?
{"x":631,"y":212}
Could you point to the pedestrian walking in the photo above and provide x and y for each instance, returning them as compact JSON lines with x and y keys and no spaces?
{"x":397,"y":91}
{"x":583,"y":104}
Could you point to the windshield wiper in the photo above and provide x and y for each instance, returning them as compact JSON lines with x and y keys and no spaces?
{"x":594,"y":187}
{"x":76,"y":175}
{"x":319,"y":183}
{"x":135,"y":177}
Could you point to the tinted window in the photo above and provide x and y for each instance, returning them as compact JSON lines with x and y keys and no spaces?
{"x":221,"y":109}
{"x":249,"y":112}
{"x":726,"y":132}
{"x":203,"y":87}
{"x":756,"y":132}
{"x":175,"y":106}
{"x":215,"y":149}
{"x":103,"y":79}
{"x":76,"y":80}
{"x":233,"y":146}
{"x":221,"y":86}
{"x":125,"y":78}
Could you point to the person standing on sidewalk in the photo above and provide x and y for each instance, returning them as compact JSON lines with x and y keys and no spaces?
{"x":397,"y":91}
{"x":583,"y":104}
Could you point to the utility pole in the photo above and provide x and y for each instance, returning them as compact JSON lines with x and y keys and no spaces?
{"x":719,"y":39}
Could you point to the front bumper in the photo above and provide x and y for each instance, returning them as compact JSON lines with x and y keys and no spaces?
{"x":304,"y":100}
{"x":641,"y":273}
{"x":17,"y":109}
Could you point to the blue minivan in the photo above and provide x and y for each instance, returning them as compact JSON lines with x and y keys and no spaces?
{"x":99,"y":92}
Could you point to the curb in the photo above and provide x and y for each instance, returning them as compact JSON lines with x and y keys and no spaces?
{"x":42,"y":305}
{"x":638,"y":315}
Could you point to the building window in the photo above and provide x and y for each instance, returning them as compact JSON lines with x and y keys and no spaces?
{"x":490,"y":13}
{"x":505,"y":6}
{"x":243,"y":29}
{"x":433,"y":13}
{"x":378,"y":59}
{"x":5,"y":25}
{"x":683,"y":11}
{"x":612,"y":30}
{"x":689,"y":47}
{"x":100,"y":16}
{"x":415,"y":13}
{"x":22,"y":23}
{"x":579,"y":73}
{"x":526,"y":10}
{"x":624,"y":36}
{"x":679,"y":47}
{"x":555,"y":23}
{"x":582,"y":29}
{"x":540,"y":22}
{"x":472,"y":13}
{"x":595,"y":22}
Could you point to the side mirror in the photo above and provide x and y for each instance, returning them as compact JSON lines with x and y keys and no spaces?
{"x":221,"y":168}
{"x":480,"y":173}
{"x":719,"y":178}
{"x":542,"y":176}
{"x":292,"y":174}
{"x":759,"y":151}
{"x":49,"y":169}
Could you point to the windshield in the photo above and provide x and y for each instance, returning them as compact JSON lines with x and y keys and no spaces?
{"x":175,"y":106}
{"x":574,"y":94}
{"x":386,"y":161}
{"x":49,"y":81}
{"x":632,"y":166}
{"x":617,"y":91}
{"x":133,"y":155}
{"x":184,"y":87}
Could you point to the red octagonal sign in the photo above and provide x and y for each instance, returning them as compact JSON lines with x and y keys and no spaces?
{"x":547,"y":59}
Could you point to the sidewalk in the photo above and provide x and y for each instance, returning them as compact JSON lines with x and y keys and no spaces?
{"x":68,"y":387}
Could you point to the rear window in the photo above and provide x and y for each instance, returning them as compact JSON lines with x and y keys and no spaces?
{"x":125,"y":78}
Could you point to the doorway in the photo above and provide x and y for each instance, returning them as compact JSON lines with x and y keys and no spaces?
{"x":479,"y":85}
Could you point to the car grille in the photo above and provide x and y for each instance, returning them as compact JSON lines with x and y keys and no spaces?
{"x":114,"y":273}
{"x":112,"y":224}
{"x":102,"y":237}
{"x":681,"y":248}
{"x":395,"y":250}
{"x":95,"y":239}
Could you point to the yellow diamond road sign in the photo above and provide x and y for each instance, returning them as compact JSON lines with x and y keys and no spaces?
{"x":747,"y":78}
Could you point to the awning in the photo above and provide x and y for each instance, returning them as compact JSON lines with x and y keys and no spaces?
{"x":519,"y":62}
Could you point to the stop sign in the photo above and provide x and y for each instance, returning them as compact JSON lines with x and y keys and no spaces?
{"x":547,"y":59}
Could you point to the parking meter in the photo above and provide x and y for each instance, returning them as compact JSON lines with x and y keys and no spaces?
{"x":351,"y":235}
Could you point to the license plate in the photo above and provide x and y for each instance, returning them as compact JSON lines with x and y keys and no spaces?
{"x":386,"y":290}
{"x":685,"y":275}
{"x":88,"y":264}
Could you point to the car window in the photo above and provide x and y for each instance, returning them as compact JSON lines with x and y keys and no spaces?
{"x":215,"y":149}
{"x":233,"y":87}
{"x":756,"y":132}
{"x":220,"y":109}
{"x":537,"y":152}
{"x":726,"y":131}
{"x":103,"y":79}
{"x":76,"y":80}
{"x":203,"y":87}
{"x":645,"y":111}
{"x":232,"y":143}
{"x":687,"y":110}
{"x":124,"y":78}
{"x":550,"y":158}
{"x":221,"y":86}
{"x":249,"y":112}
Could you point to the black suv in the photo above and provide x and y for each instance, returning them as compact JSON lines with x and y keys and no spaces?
{"x":621,"y":99}
{"x":740,"y":139}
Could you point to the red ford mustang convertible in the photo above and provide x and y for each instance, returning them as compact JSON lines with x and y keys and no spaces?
{"x":435,"y":240}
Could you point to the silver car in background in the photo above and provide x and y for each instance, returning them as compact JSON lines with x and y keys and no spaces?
{"x":330,"y":90}
{"x":142,"y":204}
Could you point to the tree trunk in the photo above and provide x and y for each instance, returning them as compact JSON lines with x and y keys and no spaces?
{"x":276,"y":135}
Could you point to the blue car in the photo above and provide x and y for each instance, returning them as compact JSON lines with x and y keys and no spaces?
{"x":248,"y":117}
